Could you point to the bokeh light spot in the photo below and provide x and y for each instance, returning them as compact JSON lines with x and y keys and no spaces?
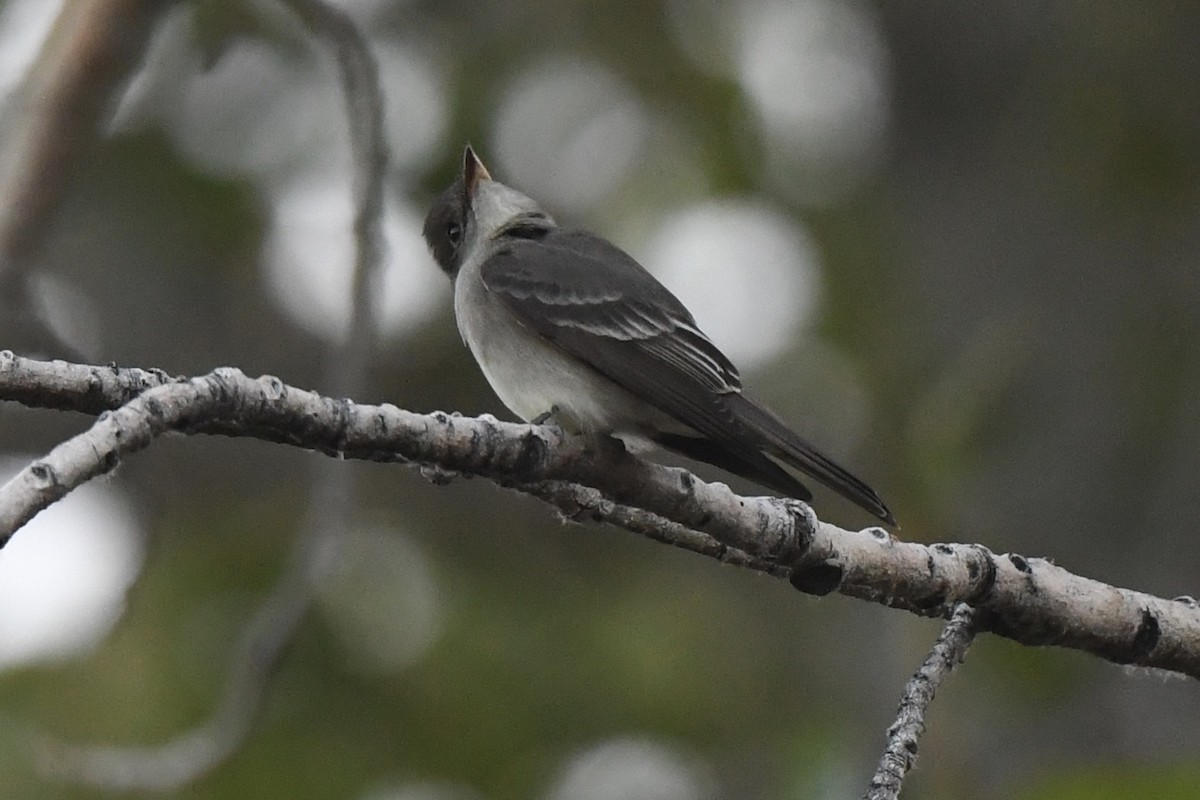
{"x":748,"y":274}
{"x":63,"y":577}
{"x":253,"y":112}
{"x":310,"y":261}
{"x":413,"y":104}
{"x":569,"y":133}
{"x":814,"y":71}
{"x":382,"y":600}
{"x":24,"y":25}
{"x":632,"y":769}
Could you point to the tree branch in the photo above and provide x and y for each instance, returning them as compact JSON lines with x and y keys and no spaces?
{"x":228,"y":403}
{"x":363,"y":97}
{"x":900,"y":755}
{"x":1028,"y":600}
{"x":319,"y":542}
{"x":87,"y":59}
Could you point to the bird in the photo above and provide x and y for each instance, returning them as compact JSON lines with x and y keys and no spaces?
{"x":569,"y":328}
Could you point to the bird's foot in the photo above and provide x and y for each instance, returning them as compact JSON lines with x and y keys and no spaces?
{"x":545,"y":416}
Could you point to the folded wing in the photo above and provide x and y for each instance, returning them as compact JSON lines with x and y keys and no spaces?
{"x":599,"y":305}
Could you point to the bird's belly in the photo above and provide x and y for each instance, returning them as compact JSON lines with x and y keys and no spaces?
{"x":531,"y":376}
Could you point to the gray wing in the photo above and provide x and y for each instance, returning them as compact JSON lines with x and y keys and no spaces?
{"x":598,"y":304}
{"x":572,"y":286}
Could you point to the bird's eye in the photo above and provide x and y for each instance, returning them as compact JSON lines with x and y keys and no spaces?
{"x":454,"y":233}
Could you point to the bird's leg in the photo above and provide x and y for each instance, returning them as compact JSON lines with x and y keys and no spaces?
{"x":543,"y":417}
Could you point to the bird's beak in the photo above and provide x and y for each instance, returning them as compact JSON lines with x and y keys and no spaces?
{"x":473,"y":172}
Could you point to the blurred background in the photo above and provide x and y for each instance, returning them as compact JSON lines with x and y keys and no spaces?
{"x":954,"y":243}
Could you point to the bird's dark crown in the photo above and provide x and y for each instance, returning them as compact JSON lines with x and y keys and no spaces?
{"x":476,"y":209}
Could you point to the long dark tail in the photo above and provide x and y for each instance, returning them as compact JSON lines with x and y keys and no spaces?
{"x":761,"y":470}
{"x":784,"y":443}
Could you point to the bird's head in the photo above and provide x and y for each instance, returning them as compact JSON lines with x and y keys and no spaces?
{"x":473,"y":212}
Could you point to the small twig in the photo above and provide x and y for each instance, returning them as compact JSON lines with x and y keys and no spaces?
{"x":178,"y":762}
{"x":578,"y":503}
{"x":359,"y":73}
{"x":900,"y":755}
{"x":322,"y":534}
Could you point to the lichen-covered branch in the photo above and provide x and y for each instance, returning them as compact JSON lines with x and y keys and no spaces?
{"x":900,"y":755}
{"x":1029,"y":600}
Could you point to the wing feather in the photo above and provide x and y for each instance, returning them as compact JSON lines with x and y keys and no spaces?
{"x":569,"y":281}
{"x":599,"y":305}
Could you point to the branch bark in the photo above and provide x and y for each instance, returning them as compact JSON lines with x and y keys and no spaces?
{"x":900,"y":755}
{"x":1029,"y":600}
{"x":319,"y":542}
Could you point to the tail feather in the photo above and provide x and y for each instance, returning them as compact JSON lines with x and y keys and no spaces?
{"x":762,"y":470}
{"x":784,"y":443}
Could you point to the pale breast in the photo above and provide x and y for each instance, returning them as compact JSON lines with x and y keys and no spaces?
{"x":532,"y":376}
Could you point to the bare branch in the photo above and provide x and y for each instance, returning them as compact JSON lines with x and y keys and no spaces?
{"x":363,"y":96}
{"x":900,"y":755}
{"x":93,"y":49}
{"x":320,"y":540}
{"x":577,"y":503}
{"x":1029,"y":600}
{"x":227,"y":402}
{"x":166,"y":767}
